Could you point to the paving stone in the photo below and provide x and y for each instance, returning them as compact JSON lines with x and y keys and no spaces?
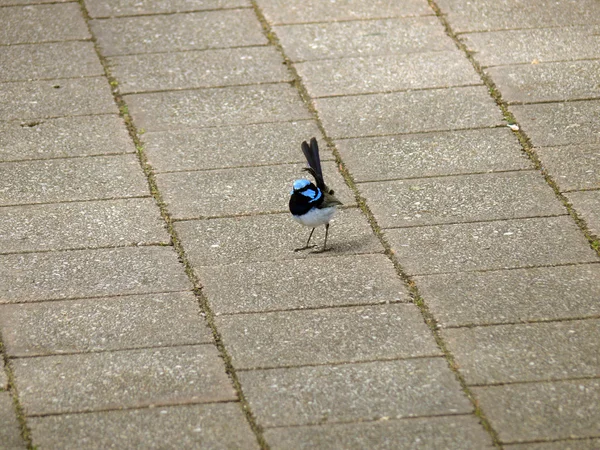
{"x":116,"y":8}
{"x":240,"y":105}
{"x":573,"y":167}
{"x":365,"y":75}
{"x":178,"y":32}
{"x":224,"y":192}
{"x":554,"y":124}
{"x":123,"y":379}
{"x":272,"y":237}
{"x":25,"y":2}
{"x":542,"y":411}
{"x":587,"y":205}
{"x":463,"y":198}
{"x":64,"y":137}
{"x":90,"y":273}
{"x":431,"y":154}
{"x":198,"y":69}
{"x":547,"y":82}
{"x":571,"y":444}
{"x":269,"y":286}
{"x":296,"y":11}
{"x":543,"y":293}
{"x":10,"y":431}
{"x":53,"y":98}
{"x":408,"y":112}
{"x":354,"y":334}
{"x":483,"y":15}
{"x":56,"y":180}
{"x":110,"y":323}
{"x":42,"y":23}
{"x":490,"y":245}
{"x":363,"y":38}
{"x":353,"y":392}
{"x":230,"y":146}
{"x":3,"y":376}
{"x":63,"y":226}
{"x":432,"y":432}
{"x":541,"y":45}
{"x":526,"y":352}
{"x":46,"y":61}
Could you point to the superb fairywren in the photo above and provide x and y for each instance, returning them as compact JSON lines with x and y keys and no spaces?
{"x":313,"y":205}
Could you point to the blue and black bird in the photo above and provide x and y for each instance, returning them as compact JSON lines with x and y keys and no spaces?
{"x":313,"y":205}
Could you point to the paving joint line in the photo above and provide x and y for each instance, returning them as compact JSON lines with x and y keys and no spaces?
{"x":244,"y":166}
{"x":408,"y":133}
{"x":101,"y":247}
{"x":169,"y":13}
{"x":495,"y":30}
{"x":368,"y":19}
{"x":522,"y":322}
{"x":91,"y":297}
{"x":446,"y":175}
{"x":398,"y":91}
{"x":540,"y":63}
{"x":204,"y":88}
{"x":15,"y":44}
{"x":54,"y":158}
{"x":168,"y":52}
{"x":549,"y":441}
{"x":468,"y":222}
{"x":99,"y":199}
{"x":540,"y":380}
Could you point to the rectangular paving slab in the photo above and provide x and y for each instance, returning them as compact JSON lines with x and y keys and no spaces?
{"x":464,"y":198}
{"x":178,"y":32}
{"x":353,"y":392}
{"x":490,"y":245}
{"x":543,"y":293}
{"x":123,"y":379}
{"x":572,"y":167}
{"x":90,"y":273}
{"x":230,"y":146}
{"x":273,"y":237}
{"x":59,"y":180}
{"x":332,"y":335}
{"x":117,"y":8}
{"x":542,"y":411}
{"x":216,"y":107}
{"x":298,"y":284}
{"x":587,"y":205}
{"x":48,"y":61}
{"x":64,"y":137}
{"x":197,"y":69}
{"x":526,"y":352}
{"x":217,"y":426}
{"x":109,"y":323}
{"x":63,"y":226}
{"x":431,"y":154}
{"x":10,"y":431}
{"x":408,"y":112}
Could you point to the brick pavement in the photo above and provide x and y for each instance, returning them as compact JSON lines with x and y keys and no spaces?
{"x":150,"y":295}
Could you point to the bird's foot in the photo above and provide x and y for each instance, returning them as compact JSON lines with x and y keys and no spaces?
{"x":306,"y":247}
{"x":322,"y":250}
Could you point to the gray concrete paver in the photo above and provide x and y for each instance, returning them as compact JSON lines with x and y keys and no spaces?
{"x":573,"y":167}
{"x":587,"y":206}
{"x":10,"y":431}
{"x":117,"y":8}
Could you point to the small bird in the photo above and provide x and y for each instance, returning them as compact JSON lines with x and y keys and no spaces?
{"x":313,"y":205}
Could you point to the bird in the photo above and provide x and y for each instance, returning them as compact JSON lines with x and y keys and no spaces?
{"x":312,"y":205}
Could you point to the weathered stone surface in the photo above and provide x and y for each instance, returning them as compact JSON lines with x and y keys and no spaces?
{"x":553,"y":124}
{"x":587,"y":205}
{"x":64,"y":137}
{"x":42,"y":23}
{"x":526,"y":352}
{"x":63,"y":226}
{"x":573,"y":167}
{"x":431,"y":154}
{"x":354,"y":334}
{"x":543,"y":293}
{"x":216,"y":426}
{"x":363,"y":38}
{"x":10,"y":431}
{"x":353,"y":392}
{"x":230,"y":146}
{"x":110,"y":323}
{"x":490,"y":245}
{"x":178,"y":32}
{"x":268,"y":286}
{"x":569,"y":444}
{"x":546,"y":82}
{"x":464,"y":198}
{"x":432,"y":432}
{"x":47,"y":61}
{"x":26,"y":100}
{"x":408,"y":112}
{"x":90,"y":273}
{"x":273,"y":236}
{"x":123,"y":379}
{"x":365,"y":75}
{"x":3,"y":376}
{"x":57,"y":180}
{"x":197,"y":69}
{"x":213,"y":193}
{"x":542,"y":411}
{"x":116,"y":8}
{"x":541,"y":44}
{"x":217,"y":107}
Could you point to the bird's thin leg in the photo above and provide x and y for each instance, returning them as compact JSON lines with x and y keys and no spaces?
{"x":324,"y":249}
{"x":307,"y":242}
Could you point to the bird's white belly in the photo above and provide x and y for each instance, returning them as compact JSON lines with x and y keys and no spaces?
{"x":316,"y":217}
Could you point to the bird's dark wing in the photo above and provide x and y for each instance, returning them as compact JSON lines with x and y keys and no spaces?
{"x":311,"y":153}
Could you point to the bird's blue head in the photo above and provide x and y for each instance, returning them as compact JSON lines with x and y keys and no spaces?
{"x":307,"y":189}
{"x":300,"y":184}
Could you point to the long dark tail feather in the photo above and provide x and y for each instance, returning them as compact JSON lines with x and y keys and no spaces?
{"x":314,"y":161}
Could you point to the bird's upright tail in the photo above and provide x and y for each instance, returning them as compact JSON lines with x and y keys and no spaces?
{"x":311,"y":153}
